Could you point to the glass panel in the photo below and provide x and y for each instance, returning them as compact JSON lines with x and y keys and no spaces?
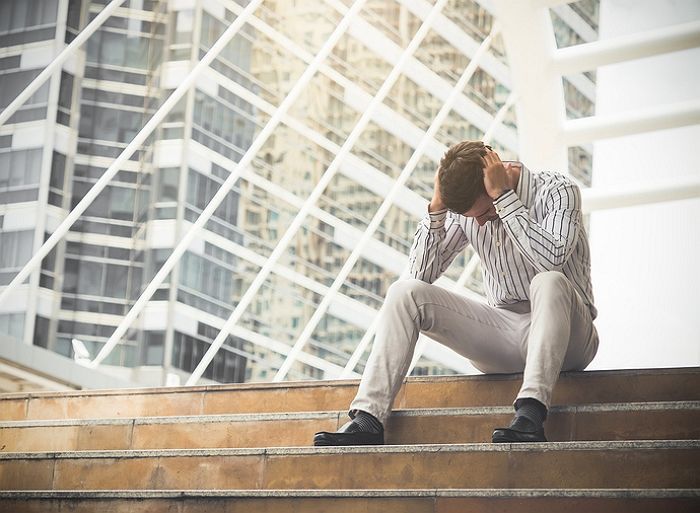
{"x":116,"y":280}
{"x":90,"y":278}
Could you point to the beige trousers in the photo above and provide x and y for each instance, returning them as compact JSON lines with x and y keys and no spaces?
{"x":551,"y":333}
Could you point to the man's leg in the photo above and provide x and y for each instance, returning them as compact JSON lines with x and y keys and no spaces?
{"x":561,"y":337}
{"x":488,"y":336}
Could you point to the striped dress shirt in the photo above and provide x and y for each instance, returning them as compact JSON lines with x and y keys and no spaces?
{"x":539,"y":228}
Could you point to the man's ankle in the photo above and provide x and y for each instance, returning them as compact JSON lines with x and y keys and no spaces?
{"x":531,"y":409}
{"x":366,"y":421}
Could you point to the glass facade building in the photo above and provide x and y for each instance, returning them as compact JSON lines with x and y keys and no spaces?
{"x":56,"y":147}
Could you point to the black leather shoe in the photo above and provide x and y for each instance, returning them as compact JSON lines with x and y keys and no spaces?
{"x":520,"y":430}
{"x":349,"y":434}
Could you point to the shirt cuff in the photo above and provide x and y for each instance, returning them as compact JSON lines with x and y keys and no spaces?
{"x":437,"y":219}
{"x":508,"y":204}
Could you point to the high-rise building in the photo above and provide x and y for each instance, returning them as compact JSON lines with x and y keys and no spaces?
{"x":56,"y":147}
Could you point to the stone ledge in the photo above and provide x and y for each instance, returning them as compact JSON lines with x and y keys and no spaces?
{"x":345,"y":382}
{"x":383,"y":449}
{"x":291,"y":416}
{"x":647,"y":493}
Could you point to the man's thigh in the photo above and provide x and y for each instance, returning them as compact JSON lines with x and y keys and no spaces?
{"x":491,"y":338}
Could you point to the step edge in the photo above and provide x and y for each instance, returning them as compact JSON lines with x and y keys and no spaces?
{"x":344,"y":382}
{"x":592,"y":445}
{"x":690,"y":406}
{"x":636,"y":493}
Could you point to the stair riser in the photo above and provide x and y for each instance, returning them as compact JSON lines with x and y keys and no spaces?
{"x":572,"y":389}
{"x":353,"y":505}
{"x":600,"y":468}
{"x":625,"y":425}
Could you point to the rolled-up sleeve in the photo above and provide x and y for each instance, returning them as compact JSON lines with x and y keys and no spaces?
{"x":437,"y":241}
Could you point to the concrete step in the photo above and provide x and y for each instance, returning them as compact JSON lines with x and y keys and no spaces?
{"x":352,"y":501}
{"x":573,"y":388}
{"x":579,"y":465}
{"x":626,"y":421}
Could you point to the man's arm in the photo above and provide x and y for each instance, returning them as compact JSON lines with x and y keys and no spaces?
{"x":437,"y":241}
{"x":548,"y":245}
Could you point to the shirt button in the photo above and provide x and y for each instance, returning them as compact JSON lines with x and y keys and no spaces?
{"x":498,"y":243}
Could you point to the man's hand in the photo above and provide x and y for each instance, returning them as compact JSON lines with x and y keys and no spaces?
{"x":436,"y":203}
{"x":497,"y":177}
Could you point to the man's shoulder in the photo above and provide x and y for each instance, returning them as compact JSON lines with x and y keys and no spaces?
{"x":555,"y":187}
{"x":552,"y":179}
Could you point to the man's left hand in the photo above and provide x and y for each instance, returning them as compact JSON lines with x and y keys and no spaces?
{"x":496,"y":175}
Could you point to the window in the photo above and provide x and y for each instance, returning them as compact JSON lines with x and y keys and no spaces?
{"x":25,"y":21}
{"x":116,"y":280}
{"x":13,"y":83}
{"x":20,"y":168}
{"x":168,"y":184}
{"x":117,"y":48}
{"x":109,"y":124}
{"x":90,"y":278}
{"x":41,"y":331}
{"x":12,"y":325}
{"x":15,"y":248}
{"x":154,"y":348}
{"x":113,"y":202}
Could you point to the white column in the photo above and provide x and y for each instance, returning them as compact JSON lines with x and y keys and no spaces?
{"x":530,"y":46}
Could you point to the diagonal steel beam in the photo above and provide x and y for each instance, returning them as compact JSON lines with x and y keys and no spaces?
{"x":459,"y":285}
{"x":386,"y":204}
{"x":316,"y":193}
{"x":129,"y":150}
{"x":220,"y":195}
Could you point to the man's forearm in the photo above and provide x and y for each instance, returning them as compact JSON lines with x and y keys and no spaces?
{"x":436,"y":243}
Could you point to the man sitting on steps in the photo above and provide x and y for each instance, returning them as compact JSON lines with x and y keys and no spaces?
{"x":528,"y":231}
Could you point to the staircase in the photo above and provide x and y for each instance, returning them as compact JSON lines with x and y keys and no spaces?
{"x":620,"y":441}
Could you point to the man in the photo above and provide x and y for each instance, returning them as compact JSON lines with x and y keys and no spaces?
{"x":527,"y":229}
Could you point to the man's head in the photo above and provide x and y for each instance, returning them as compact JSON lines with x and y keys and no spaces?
{"x":461,"y":179}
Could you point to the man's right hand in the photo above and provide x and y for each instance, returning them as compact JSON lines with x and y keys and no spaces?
{"x":436,"y":203}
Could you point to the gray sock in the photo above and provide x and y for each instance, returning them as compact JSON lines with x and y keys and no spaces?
{"x":531,"y":409}
{"x":367,"y":422}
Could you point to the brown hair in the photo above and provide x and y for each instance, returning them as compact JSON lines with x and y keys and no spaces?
{"x":461,"y":175}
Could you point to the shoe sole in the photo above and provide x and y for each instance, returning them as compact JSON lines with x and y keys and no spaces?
{"x":333,"y":440}
{"x":508,"y":436}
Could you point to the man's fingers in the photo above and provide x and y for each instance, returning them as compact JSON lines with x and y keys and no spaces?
{"x":491,"y":158}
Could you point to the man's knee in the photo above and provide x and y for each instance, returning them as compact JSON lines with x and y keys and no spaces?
{"x":403,"y":290}
{"x":550,"y":282}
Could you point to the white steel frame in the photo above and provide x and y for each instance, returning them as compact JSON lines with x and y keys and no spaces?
{"x":123,"y":157}
{"x":469,"y":268}
{"x":539,"y":102}
{"x":313,"y":197}
{"x":220,"y":195}
{"x":379,"y":216}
